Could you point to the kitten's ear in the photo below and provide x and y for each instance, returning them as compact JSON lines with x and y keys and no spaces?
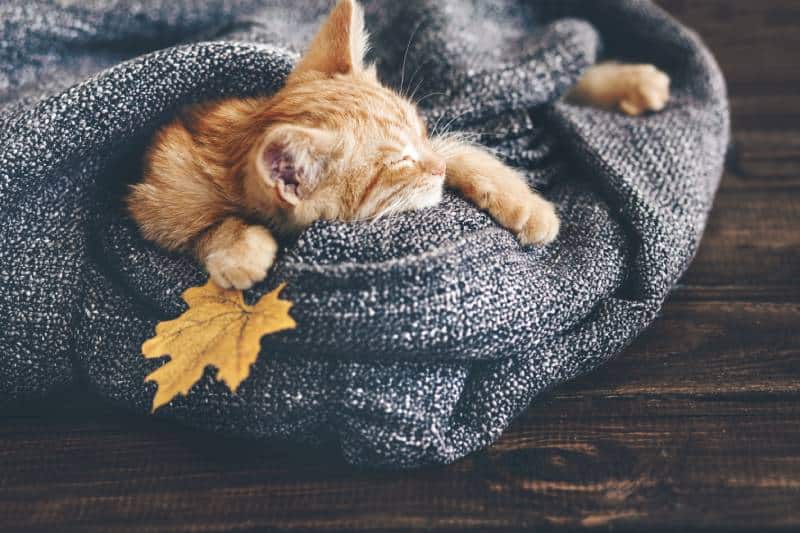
{"x":291,"y":159}
{"x":340,"y":44}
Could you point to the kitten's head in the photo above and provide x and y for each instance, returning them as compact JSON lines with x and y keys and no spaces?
{"x":339,"y":144}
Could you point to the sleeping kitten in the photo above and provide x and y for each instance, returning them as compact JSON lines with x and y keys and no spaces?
{"x":332,"y":144}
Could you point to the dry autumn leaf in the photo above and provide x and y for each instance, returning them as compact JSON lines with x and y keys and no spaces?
{"x":218,"y":329}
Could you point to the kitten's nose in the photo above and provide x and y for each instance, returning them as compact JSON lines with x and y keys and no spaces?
{"x":437,"y":166}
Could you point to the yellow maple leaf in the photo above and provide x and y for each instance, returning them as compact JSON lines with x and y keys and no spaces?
{"x":218,"y":329}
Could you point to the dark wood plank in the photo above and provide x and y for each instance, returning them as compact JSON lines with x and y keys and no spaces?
{"x":576,"y":461}
{"x":706,"y":349}
{"x":764,"y":160}
{"x":755,"y":42}
{"x":752,"y":238}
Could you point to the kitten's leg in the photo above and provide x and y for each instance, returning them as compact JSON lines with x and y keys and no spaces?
{"x":179,"y":206}
{"x":500,"y":190}
{"x":634,"y":89}
{"x":237,"y":254}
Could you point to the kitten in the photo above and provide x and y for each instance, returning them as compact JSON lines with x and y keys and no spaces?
{"x":332,"y":144}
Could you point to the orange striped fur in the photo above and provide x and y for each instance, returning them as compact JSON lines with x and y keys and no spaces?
{"x":332,"y":144}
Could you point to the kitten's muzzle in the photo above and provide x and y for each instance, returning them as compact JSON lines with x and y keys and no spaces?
{"x":437,"y":167}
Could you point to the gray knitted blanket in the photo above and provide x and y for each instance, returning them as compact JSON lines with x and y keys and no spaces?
{"x":420,"y":336}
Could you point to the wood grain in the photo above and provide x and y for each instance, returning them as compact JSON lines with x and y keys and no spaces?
{"x":695,"y":427}
{"x":619,"y":461}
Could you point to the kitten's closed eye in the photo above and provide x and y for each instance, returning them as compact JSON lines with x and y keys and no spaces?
{"x":333,"y":143}
{"x":405,"y":160}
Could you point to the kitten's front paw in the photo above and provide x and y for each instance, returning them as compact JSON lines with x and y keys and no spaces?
{"x":644,"y":88}
{"x":245,"y":262}
{"x":530,"y":217}
{"x":542,"y":224}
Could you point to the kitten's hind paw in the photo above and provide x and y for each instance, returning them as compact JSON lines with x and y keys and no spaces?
{"x":244,"y":262}
{"x":644,"y":88}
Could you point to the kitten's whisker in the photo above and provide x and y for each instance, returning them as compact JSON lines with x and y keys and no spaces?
{"x":436,"y":126}
{"x":452,"y":120}
{"x":458,"y":135}
{"x":399,"y":203}
{"x":448,"y":143}
{"x":432,"y":132}
{"x":414,"y":75}
{"x":411,"y":96}
{"x":429,"y":95}
{"x":383,"y":212}
{"x":405,"y":55}
{"x":447,"y":126}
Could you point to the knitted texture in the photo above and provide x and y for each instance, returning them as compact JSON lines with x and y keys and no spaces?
{"x":419,"y":336}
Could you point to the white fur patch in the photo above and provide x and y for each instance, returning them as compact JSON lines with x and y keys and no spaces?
{"x":410,"y":151}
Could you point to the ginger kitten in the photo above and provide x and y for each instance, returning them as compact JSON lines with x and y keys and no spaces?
{"x":332,"y":144}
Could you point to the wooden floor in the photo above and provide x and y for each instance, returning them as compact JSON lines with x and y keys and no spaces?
{"x":697,"y":425}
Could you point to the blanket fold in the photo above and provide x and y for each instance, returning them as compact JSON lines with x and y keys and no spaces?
{"x":420,"y":336}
